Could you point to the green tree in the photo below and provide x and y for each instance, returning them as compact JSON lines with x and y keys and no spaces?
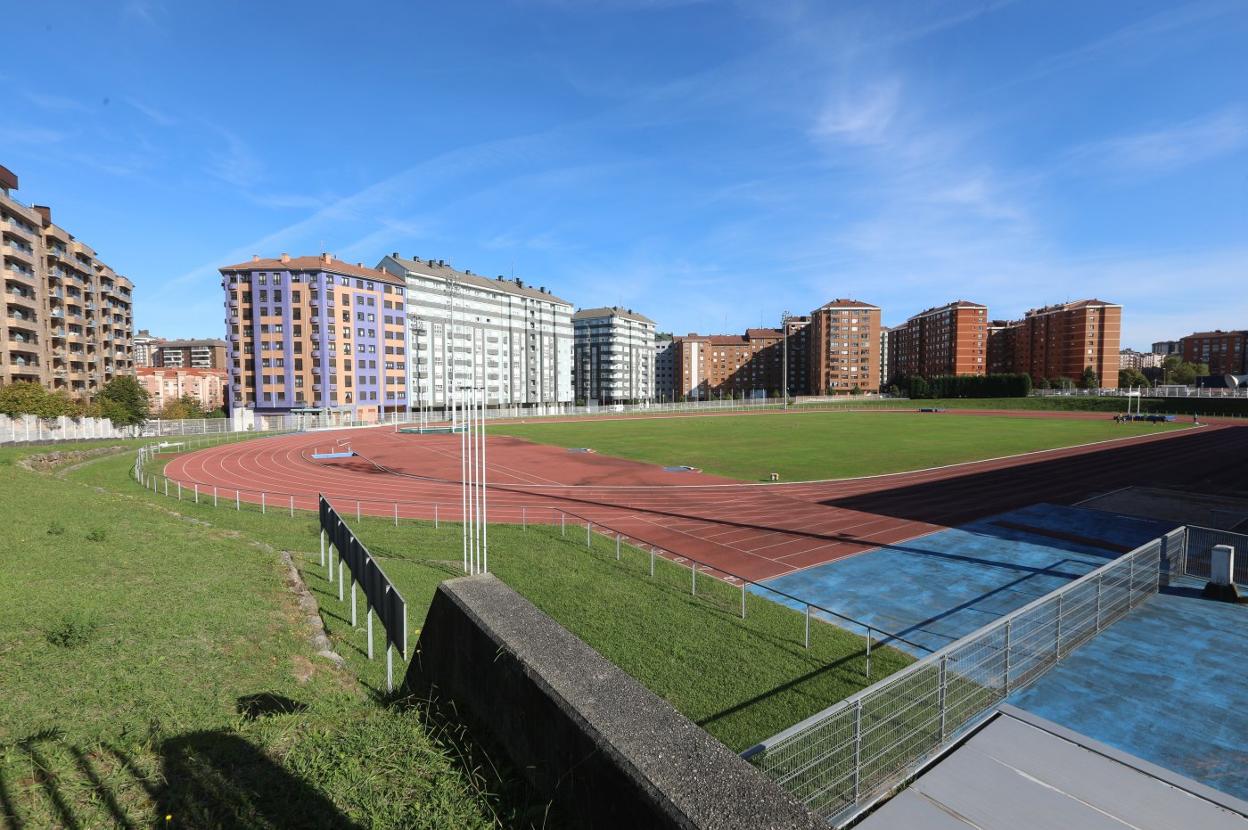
{"x":1128,"y":378}
{"x":123,"y":401}
{"x":182,"y":408}
{"x":1089,"y":379}
{"x":29,"y":398}
{"x":1179,"y":371}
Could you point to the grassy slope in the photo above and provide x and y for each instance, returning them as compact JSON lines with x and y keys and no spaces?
{"x":127,"y":639}
{"x":816,"y":445}
{"x":742,"y":679}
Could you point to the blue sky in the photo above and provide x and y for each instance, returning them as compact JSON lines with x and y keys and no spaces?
{"x":707,"y":163}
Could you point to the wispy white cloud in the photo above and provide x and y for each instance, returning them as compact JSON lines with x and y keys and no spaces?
{"x":56,"y":103}
{"x":1169,"y":148}
{"x":861,"y":115}
{"x":233,"y":160}
{"x":159,"y":116}
{"x":20,"y":134}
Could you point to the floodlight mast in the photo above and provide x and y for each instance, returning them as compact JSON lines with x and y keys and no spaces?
{"x":784,"y":381}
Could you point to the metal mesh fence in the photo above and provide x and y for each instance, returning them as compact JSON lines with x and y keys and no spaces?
{"x":1199,"y":552}
{"x":843,"y":758}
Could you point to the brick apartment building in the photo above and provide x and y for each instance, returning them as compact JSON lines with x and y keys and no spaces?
{"x":947,"y":340}
{"x":207,"y":386}
{"x":799,"y":354}
{"x":711,"y":366}
{"x":65,"y":316}
{"x":316,"y":334}
{"x":844,"y":347}
{"x":1226,"y":352}
{"x":189,"y":354}
{"x":1060,"y":341}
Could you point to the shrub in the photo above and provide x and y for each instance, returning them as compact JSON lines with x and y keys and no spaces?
{"x":72,"y":630}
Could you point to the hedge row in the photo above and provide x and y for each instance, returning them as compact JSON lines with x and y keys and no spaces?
{"x":970,"y":386}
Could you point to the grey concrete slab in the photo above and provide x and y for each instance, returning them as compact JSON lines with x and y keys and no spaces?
{"x":1014,"y":775}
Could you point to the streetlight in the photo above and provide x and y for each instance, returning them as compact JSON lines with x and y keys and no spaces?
{"x":784,"y":381}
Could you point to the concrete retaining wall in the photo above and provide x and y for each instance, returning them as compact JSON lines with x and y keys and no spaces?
{"x":609,"y":751}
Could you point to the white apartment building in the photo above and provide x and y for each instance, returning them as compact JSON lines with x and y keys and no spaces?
{"x":522,"y":336}
{"x":614,"y":355}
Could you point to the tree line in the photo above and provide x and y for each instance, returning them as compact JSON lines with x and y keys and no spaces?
{"x":122,"y":400}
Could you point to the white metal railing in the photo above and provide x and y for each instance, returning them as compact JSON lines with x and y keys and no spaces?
{"x":840,"y":761}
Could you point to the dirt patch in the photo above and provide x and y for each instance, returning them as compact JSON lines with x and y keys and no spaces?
{"x":46,"y":462}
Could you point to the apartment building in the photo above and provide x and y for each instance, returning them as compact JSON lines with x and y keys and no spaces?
{"x":1000,"y":349}
{"x":189,"y":354}
{"x":144,"y":346}
{"x":664,"y":367}
{"x":67,"y":316}
{"x":521,"y":336}
{"x":315,"y":334}
{"x":207,"y":386}
{"x":1131,"y":359}
{"x":710,"y":366}
{"x":951,"y":339}
{"x":844,"y":347}
{"x":1062,"y":340}
{"x":1167,"y":347}
{"x":798,"y":348}
{"x":1226,"y":352}
{"x":614,"y":355}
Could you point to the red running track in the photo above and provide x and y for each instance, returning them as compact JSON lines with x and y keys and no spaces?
{"x":756,"y":531}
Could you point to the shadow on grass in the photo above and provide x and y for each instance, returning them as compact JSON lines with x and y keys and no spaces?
{"x":480,"y":759}
{"x":210,"y":779}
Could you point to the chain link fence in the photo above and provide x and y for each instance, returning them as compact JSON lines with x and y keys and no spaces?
{"x":841,"y":760}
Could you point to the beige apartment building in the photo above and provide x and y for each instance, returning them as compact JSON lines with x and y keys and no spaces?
{"x":167,"y":385}
{"x":67,"y":317}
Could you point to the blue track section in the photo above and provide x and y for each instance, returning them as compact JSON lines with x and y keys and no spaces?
{"x":1168,"y":683}
{"x":938,"y":588}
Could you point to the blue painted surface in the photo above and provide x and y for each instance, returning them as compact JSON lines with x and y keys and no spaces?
{"x":943,"y":586}
{"x":1166,"y":683}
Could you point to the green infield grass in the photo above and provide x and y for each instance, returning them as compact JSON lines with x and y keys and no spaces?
{"x":803,"y":446}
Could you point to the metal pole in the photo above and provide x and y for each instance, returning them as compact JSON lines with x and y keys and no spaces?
{"x":179,"y":491}
{"x":166,"y":486}
{"x":435,"y":516}
{"x":214,"y":495}
{"x":943,"y":694}
{"x":1008,"y":626}
{"x":651,"y":561}
{"x":562,"y":524}
{"x":1057,"y":638}
{"x":292,"y":506}
{"x":322,"y":547}
{"x":353,"y":600}
{"x":463,"y":455}
{"x":1098,"y":602}
{"x":197,"y":492}
{"x":857,"y":746}
{"x":333,"y":552}
{"x":808,"y":625}
{"x":368,"y":619}
{"x":237,"y":504}
{"x":524,"y":520}
{"x":357,"y":510}
{"x":263,"y":507}
{"x":694,"y":576}
{"x":341,"y":562}
{"x":868,"y":652}
{"x":742,"y":599}
{"x":389,"y":668}
{"x":485,"y":494}
{"x":587,"y":526}
{"x":617,"y":547}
